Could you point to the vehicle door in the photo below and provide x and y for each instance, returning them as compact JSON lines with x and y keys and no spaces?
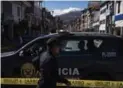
{"x":74,"y":56}
{"x":86,"y":56}
{"x":27,"y":63}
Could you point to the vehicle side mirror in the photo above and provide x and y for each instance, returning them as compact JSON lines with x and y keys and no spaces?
{"x":21,"y":53}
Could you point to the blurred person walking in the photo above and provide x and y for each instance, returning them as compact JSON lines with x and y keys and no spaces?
{"x":49,"y":66}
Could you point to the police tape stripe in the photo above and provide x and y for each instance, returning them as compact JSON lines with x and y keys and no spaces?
{"x":75,"y":83}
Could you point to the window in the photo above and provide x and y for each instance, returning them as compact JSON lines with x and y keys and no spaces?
{"x":103,"y":11}
{"x":102,"y":31}
{"x":102,"y":22}
{"x":34,"y":48}
{"x":75,"y":45}
{"x":71,"y":45}
{"x":18,"y":11}
{"x":94,"y":46}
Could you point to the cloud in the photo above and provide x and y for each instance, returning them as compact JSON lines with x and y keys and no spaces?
{"x":64,"y":11}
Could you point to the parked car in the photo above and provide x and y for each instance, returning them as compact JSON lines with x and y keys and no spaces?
{"x":83,"y":55}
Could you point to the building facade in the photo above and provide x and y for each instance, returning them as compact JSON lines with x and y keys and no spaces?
{"x":20,"y":12}
{"x":94,"y":15}
{"x":34,"y":17}
{"x":12,"y":12}
{"x":118,"y":18}
{"x":85,"y":20}
{"x":95,"y":22}
{"x":102,"y":18}
{"x":106,"y":17}
{"x":90,"y":19}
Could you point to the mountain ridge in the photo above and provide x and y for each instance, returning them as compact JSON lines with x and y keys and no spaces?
{"x":67,"y":17}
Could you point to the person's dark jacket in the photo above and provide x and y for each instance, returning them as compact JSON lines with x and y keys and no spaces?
{"x":49,"y":71}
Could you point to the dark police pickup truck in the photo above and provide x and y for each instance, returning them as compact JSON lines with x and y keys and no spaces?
{"x":83,"y":55}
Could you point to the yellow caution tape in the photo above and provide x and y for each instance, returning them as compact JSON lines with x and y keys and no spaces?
{"x":75,"y":83}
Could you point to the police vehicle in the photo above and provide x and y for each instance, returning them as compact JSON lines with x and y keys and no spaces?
{"x":83,"y":55}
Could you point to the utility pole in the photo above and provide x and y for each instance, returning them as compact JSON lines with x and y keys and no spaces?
{"x":114,"y":31}
{"x":43,"y":21}
{"x":41,"y":17}
{"x":111,"y":15}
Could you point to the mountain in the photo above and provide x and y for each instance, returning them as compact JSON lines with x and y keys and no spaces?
{"x":69,"y":16}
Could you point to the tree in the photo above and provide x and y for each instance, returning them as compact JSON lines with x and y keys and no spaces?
{"x":23,"y":26}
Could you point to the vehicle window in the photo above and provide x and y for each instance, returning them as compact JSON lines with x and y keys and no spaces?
{"x":35,"y":48}
{"x":74,"y":47}
{"x":99,"y":47}
{"x":71,"y":45}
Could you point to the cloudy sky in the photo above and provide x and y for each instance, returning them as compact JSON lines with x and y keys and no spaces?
{"x":62,"y":7}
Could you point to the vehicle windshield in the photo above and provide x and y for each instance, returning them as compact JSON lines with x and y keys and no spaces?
{"x":36,"y":39}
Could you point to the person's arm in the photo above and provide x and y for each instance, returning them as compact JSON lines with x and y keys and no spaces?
{"x":61,"y":79}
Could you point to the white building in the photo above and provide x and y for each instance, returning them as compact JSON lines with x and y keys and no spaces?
{"x":85,"y":20}
{"x":119,"y":18}
{"x":94,"y":14}
{"x":95,"y":24}
{"x":102,"y":19}
{"x":106,"y":17}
